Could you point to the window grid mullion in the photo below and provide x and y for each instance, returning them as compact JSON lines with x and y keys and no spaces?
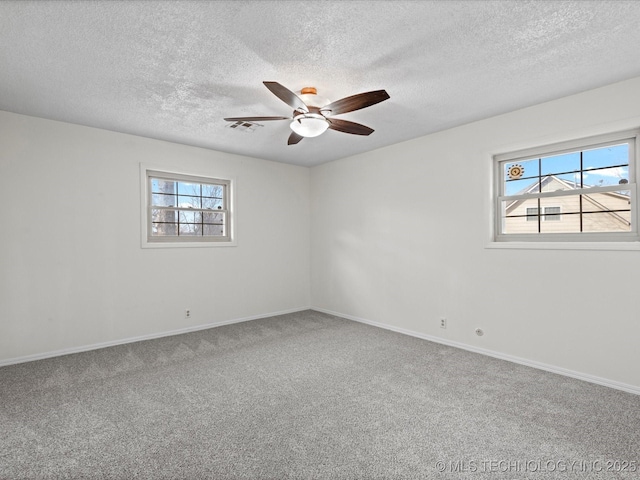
{"x":582,"y":188}
{"x":201,"y":215}
{"x":539,"y":191}
{"x":177,"y":204}
{"x":562,"y":193}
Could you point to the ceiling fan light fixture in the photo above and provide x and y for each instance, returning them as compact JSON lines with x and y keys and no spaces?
{"x":311,"y":112}
{"x":309,"y":124}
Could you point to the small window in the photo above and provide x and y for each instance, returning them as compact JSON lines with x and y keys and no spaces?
{"x":551,"y":214}
{"x":186,"y":209}
{"x":575,"y":191}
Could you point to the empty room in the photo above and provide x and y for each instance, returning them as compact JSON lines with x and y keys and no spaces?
{"x":320,"y":239}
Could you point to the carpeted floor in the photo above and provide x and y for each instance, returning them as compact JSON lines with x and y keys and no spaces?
{"x":308,"y":396}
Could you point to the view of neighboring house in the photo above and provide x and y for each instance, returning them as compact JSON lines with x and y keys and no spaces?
{"x":593,"y":212}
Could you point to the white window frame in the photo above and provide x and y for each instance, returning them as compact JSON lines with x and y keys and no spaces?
{"x":148,"y":241}
{"x":595,"y":238}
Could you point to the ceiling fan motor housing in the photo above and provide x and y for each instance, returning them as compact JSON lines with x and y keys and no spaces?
{"x":310,"y":97}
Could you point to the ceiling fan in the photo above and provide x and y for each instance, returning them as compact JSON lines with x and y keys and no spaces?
{"x":313,"y":115}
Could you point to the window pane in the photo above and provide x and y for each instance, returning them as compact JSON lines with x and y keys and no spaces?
{"x":566,"y":204}
{"x":606,"y":222}
{"x":553,"y":183}
{"x":163,"y":200}
{"x":212,"y":203}
{"x":213,"y":218}
{"x":519,"y":217}
{"x":168,"y":216}
{"x":188,"y":201}
{"x":523,"y":170}
{"x":214,"y":230}
{"x":518,"y":225}
{"x":606,"y":156}
{"x":567,"y":162}
{"x":162,"y":186}
{"x":185,"y":188}
{"x":187,"y":216}
{"x":215,"y":191}
{"x":565,"y":223}
{"x":569,"y":181}
{"x":164,"y":229}
{"x":607,"y":176}
{"x":606,"y":201}
{"x":518,"y":187}
{"x":190,"y":229}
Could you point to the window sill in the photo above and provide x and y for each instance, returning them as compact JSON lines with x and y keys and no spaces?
{"x":187,"y":244}
{"x":565,"y":245}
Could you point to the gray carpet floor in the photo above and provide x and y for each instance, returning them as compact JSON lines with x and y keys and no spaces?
{"x":307,"y":396}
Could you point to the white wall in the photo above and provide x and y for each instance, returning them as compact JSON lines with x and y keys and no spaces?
{"x":72,"y":272}
{"x":399,"y":236}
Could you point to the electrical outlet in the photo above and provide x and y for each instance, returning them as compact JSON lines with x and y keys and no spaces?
{"x":187,"y":313}
{"x":443,"y":322}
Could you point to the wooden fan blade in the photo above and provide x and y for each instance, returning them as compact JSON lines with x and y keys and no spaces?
{"x":349,"y":127}
{"x":254,"y":119}
{"x":287,"y":96}
{"x":294,"y":138}
{"x":355,"y":102}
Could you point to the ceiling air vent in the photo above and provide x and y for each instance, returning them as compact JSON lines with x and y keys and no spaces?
{"x":244,"y":126}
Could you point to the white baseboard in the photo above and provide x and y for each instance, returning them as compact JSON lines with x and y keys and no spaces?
{"x":95,"y":346}
{"x":502,"y":356}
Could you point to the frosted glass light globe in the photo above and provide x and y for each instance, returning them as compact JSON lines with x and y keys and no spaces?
{"x":309,"y":124}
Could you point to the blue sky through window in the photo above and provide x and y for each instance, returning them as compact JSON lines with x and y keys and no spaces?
{"x":600,"y":167}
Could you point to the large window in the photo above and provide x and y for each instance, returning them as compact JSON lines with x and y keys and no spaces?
{"x":575,"y":191}
{"x":184,"y":208}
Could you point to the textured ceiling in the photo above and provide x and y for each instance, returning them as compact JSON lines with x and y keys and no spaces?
{"x":173,"y":70}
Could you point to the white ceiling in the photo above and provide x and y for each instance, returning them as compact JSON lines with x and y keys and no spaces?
{"x":173,"y":70}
